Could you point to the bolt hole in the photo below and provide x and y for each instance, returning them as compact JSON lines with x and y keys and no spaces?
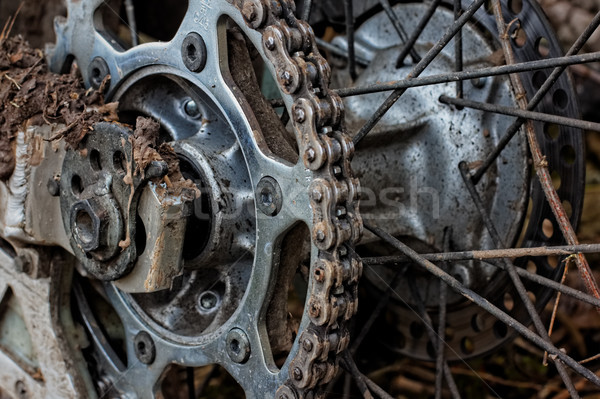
{"x":95,"y":160}
{"x":556,"y":179}
{"x":531,"y":267}
{"x":568,"y":208}
{"x":430,"y":350}
{"x":416,"y":330}
{"x":538,"y":79}
{"x":543,"y":47}
{"x":568,"y":155}
{"x":552,"y":261}
{"x":516,"y":6}
{"x":467,"y":345}
{"x":477,"y":323}
{"x":267,"y":198}
{"x":141,"y":347}
{"x":96,"y":74}
{"x":509,"y":302}
{"x":76,"y":185}
{"x":489,"y":7}
{"x":192,"y":53}
{"x":547,"y":228}
{"x":500,"y":329}
{"x":552,"y":131}
{"x":119,"y":161}
{"x":560,"y":98}
{"x":234,"y":345}
{"x":519,"y":36}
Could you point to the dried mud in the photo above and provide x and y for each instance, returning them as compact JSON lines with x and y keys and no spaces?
{"x":31,"y":95}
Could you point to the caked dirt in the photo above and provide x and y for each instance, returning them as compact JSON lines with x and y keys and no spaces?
{"x":30,"y":95}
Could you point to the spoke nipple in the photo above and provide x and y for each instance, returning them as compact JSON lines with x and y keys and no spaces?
{"x":300,"y":115}
{"x":307,"y":345}
{"x":340,"y":211}
{"x":270,"y":43}
{"x":298,"y":374}
{"x":337,"y":171}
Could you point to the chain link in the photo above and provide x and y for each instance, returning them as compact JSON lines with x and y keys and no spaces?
{"x":317,"y":115}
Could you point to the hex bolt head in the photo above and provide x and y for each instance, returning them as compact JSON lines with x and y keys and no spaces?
{"x":98,"y":71}
{"x":144,"y":348}
{"x":86,"y":226}
{"x":238,"y":346}
{"x":208,"y":301}
{"x":193,"y":52}
{"x":192,"y":109}
{"x":269,"y":198}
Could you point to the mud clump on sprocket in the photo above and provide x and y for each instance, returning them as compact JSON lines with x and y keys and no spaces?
{"x":30,"y":95}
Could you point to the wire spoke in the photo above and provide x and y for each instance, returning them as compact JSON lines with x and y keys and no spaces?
{"x":466,"y":75}
{"x":130,"y":10}
{"x":410,"y":43}
{"x":483,"y":303}
{"x":561,"y":250}
{"x":348,"y":7}
{"x":521,"y":113}
{"x":399,"y":29}
{"x":536,"y":278}
{"x":537,"y":98}
{"x":381,"y":305}
{"x":458,"y":49}
{"x":306,"y":11}
{"x":364,"y":382}
{"x":512,"y":273}
{"x":438,"y":341}
{"x":440,"y":358}
{"x":335,"y":50}
{"x":417,"y":70}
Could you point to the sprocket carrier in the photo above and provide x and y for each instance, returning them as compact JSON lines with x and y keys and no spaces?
{"x":234,"y":146}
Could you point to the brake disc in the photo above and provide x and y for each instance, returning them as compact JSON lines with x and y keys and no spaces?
{"x":216,"y":307}
{"x":411,"y":159}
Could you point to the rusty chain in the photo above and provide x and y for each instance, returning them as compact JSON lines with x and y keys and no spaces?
{"x":318,"y":120}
